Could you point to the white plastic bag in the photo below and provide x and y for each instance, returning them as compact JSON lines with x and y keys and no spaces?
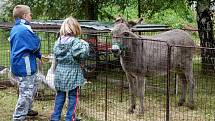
{"x":49,"y":80}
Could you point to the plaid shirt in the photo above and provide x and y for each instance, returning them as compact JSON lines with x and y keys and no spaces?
{"x":69,"y":52}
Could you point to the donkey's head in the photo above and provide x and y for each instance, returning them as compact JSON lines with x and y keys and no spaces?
{"x":120,"y":27}
{"x":121,"y":30}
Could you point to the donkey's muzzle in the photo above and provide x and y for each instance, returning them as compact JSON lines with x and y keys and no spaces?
{"x":115,"y":51}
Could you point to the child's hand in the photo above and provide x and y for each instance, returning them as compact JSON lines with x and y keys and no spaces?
{"x":44,"y":59}
{"x":82,"y":40}
{"x":82,"y":65}
{"x":41,"y":61}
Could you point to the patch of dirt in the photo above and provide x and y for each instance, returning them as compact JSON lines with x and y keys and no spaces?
{"x":6,"y":83}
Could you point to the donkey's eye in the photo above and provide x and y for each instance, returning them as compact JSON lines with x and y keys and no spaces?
{"x":126,"y":34}
{"x":118,"y":20}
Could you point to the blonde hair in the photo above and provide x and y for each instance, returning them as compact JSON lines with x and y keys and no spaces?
{"x":20,"y":10}
{"x":70,"y":27}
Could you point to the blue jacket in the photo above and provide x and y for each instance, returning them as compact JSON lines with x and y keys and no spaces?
{"x":24,"y":49}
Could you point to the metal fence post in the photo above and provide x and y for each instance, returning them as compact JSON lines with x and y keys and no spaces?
{"x":106,"y":67}
{"x":168,"y":82}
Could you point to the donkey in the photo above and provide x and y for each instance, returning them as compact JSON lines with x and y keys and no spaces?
{"x":140,"y":58}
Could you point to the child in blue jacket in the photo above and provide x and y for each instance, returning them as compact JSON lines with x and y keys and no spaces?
{"x":24,"y":49}
{"x":69,"y":51}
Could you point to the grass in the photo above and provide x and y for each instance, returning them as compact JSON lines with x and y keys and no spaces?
{"x":8,"y":99}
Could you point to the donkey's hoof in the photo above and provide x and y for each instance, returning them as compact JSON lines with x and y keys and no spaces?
{"x":141,"y":112}
{"x":191,"y":106}
{"x":181,"y":102}
{"x":130,"y":111}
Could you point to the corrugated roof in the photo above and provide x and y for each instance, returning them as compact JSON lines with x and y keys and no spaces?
{"x":86,"y":25}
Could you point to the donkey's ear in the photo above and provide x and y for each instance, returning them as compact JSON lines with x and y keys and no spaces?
{"x":140,"y":21}
{"x":133,"y":23}
{"x":119,"y":19}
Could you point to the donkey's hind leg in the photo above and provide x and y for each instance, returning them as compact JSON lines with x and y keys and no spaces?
{"x":141,"y":92}
{"x":182,"y":77}
{"x":189,"y":76}
{"x":132,"y":91}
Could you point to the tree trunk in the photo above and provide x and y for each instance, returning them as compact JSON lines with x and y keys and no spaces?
{"x":139,"y":9}
{"x":205,"y":29}
{"x":90,"y":10}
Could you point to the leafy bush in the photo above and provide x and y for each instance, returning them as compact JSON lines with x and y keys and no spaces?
{"x":173,"y":19}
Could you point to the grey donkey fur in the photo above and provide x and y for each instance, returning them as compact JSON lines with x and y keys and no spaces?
{"x":144,"y":58}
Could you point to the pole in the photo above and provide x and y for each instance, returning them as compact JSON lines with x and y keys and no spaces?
{"x":138,"y":3}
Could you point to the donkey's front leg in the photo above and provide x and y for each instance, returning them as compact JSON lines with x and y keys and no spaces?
{"x":132,"y":91}
{"x":141,"y":92}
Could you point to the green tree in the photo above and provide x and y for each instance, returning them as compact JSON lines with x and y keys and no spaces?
{"x":175,"y":13}
{"x":150,"y":7}
{"x":55,"y":9}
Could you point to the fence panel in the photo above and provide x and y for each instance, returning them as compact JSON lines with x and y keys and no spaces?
{"x":203,"y":92}
{"x":106,"y":96}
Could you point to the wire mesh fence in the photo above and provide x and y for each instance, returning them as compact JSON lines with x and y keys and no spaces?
{"x":106,"y":95}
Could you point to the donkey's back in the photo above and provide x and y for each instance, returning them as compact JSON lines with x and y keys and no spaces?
{"x":150,"y":53}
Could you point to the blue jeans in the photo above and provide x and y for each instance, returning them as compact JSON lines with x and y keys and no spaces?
{"x":59,"y":102}
{"x":27,"y":90}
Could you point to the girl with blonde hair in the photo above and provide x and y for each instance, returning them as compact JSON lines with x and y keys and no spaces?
{"x":68,"y":51}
